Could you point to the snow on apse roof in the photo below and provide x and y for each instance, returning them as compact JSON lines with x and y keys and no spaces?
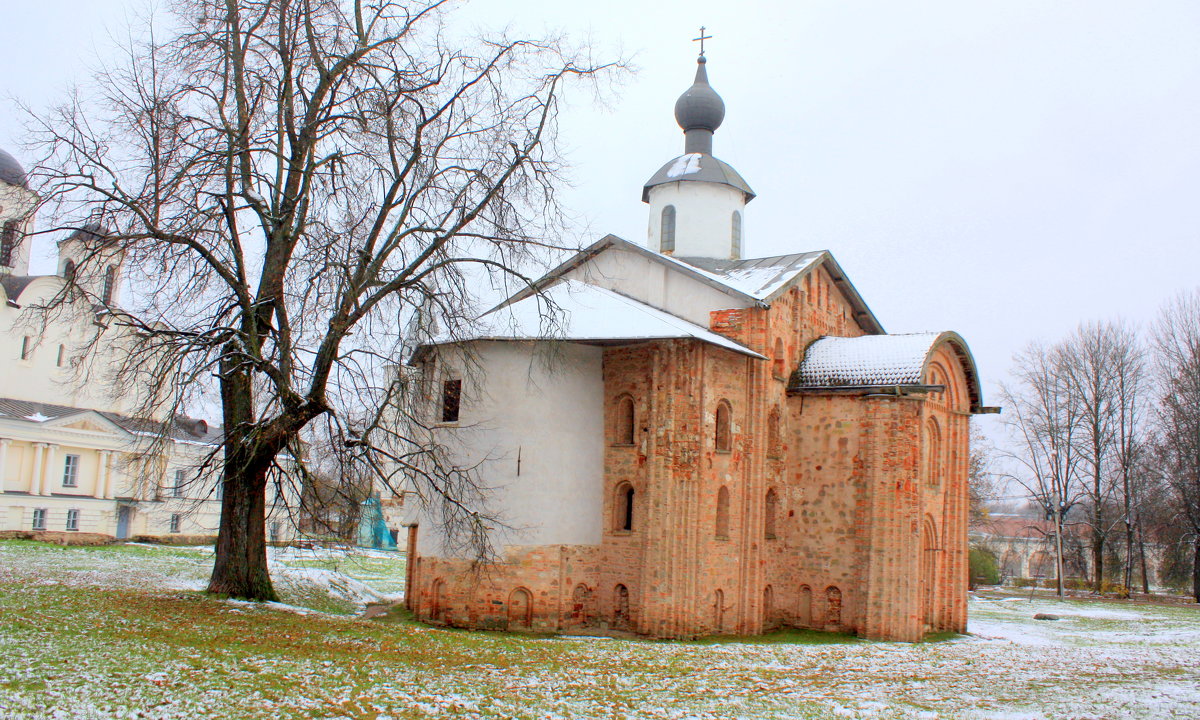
{"x":867,"y":360}
{"x":586,"y":313}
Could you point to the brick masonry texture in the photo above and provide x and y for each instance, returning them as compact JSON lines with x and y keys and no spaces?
{"x":865,"y":531}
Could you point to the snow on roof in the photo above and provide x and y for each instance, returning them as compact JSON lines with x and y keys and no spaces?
{"x":577,"y":312}
{"x":866,"y":361}
{"x":758,"y":277}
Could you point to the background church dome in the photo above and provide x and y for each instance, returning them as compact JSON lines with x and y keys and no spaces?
{"x":11,"y":171}
{"x":700,"y":107}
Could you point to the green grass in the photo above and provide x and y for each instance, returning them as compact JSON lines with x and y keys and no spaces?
{"x":117,"y":631}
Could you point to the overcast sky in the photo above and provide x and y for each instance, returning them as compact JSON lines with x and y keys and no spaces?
{"x":1002,"y":168}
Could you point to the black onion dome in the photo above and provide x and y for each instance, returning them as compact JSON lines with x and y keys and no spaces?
{"x":700,"y":107}
{"x":11,"y":171}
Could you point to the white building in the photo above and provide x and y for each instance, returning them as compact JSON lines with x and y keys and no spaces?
{"x":74,"y":456}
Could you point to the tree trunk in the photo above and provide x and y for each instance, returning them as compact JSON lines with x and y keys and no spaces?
{"x":1196,"y":569}
{"x":1058,"y":551}
{"x":1128,"y":580}
{"x":240,"y":569}
{"x":1142,"y":555}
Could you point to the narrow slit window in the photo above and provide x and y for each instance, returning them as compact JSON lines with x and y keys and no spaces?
{"x":722,"y":529}
{"x":735,"y":232}
{"x":723,"y":436}
{"x":667,"y":239}
{"x":8,"y":244}
{"x":110,"y":283}
{"x":451,"y":400}
{"x":625,"y":421}
{"x":26,"y":347}
{"x":624,"y":519}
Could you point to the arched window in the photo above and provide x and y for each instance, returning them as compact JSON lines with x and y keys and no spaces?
{"x":623,"y":507}
{"x":621,"y":607}
{"x":933,"y":453}
{"x":774,"y":436}
{"x":723,"y":437}
{"x":667,"y":232}
{"x":69,"y":269}
{"x":806,"y":618}
{"x":735,"y":234}
{"x":771,"y":508}
{"x":110,"y":283}
{"x":8,"y":243}
{"x":779,"y":362}
{"x":625,"y":421}
{"x":722,"y":529}
{"x":833,"y":605}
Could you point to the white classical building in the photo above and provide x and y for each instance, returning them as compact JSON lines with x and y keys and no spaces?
{"x":74,"y":455}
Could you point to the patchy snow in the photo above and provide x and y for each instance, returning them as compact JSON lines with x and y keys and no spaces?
{"x":867,"y":360}
{"x":573,"y":310}
{"x":685,"y":165}
{"x":37,"y":417}
{"x":90,"y":633}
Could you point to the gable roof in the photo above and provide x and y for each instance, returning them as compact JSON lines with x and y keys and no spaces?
{"x":181,"y":428}
{"x":873,"y":361}
{"x":588,"y":314}
{"x":754,"y":280}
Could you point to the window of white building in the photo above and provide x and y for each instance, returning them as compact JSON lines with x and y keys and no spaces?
{"x":26,"y":347}
{"x":39,"y":518}
{"x":177,"y":488}
{"x":72,"y":519}
{"x":71,"y":471}
{"x":176,"y":519}
{"x":274,"y":532}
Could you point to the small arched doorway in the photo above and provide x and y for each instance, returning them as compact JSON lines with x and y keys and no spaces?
{"x":621,"y":619}
{"x":520,"y":609}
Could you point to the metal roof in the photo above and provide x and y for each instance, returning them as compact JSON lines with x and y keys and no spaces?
{"x":11,"y":171}
{"x":697,"y":167}
{"x":875,"y":361}
{"x":180,"y":428}
{"x":14,"y":285}
{"x":574,"y":311}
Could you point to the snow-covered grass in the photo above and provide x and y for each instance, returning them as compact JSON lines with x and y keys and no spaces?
{"x":123,"y":632}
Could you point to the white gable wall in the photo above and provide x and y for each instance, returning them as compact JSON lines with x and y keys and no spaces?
{"x":656,"y":284}
{"x":544,"y":404}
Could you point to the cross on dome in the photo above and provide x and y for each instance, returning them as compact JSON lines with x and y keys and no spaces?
{"x":701,"y":40}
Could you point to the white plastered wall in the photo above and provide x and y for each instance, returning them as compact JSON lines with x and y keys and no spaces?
{"x":703,"y":218}
{"x":656,"y":284}
{"x":541,"y":405}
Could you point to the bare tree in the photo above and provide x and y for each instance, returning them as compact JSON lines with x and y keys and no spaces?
{"x":1176,"y":348}
{"x":287,"y":181}
{"x":981,"y":482}
{"x":1102,"y":360}
{"x":1044,"y":419}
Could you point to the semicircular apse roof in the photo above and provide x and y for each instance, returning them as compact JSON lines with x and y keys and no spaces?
{"x":868,"y":360}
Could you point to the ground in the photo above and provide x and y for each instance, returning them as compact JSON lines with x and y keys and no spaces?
{"x":123,"y":632}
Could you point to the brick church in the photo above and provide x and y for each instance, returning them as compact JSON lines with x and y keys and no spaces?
{"x":706,"y":443}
